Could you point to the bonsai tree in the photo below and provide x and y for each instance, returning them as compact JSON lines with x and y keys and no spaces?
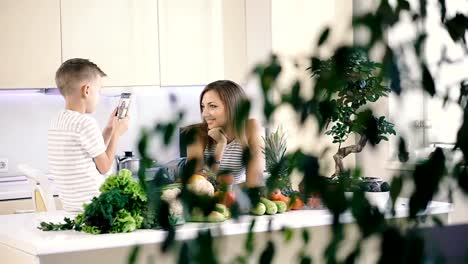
{"x":347,"y":82}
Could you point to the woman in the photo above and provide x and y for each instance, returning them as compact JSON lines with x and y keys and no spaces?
{"x":220,"y":141}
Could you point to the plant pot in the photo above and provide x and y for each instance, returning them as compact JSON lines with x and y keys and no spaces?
{"x":377,"y":199}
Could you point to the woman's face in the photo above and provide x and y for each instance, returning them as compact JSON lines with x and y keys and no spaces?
{"x":213,"y":110}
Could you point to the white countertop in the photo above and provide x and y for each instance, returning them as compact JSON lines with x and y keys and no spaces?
{"x":20,"y":230}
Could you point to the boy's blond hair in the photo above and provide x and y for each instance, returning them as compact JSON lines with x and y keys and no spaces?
{"x":74,"y":71}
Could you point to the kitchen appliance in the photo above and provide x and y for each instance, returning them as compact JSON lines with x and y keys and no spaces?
{"x":128,"y":161}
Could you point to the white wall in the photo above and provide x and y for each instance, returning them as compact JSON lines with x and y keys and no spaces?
{"x":25,"y":117}
{"x":296,"y":27}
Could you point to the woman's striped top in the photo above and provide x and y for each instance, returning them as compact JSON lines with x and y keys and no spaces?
{"x":231,"y":161}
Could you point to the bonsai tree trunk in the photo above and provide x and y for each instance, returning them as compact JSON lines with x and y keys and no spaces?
{"x":343,"y":152}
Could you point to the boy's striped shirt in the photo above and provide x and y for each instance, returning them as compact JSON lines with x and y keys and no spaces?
{"x":74,"y":139}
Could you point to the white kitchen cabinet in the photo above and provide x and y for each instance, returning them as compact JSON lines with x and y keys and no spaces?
{"x":201,"y":41}
{"x":30,"y":43}
{"x":120,"y":36}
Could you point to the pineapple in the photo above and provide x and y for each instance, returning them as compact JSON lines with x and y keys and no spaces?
{"x":276,"y":161}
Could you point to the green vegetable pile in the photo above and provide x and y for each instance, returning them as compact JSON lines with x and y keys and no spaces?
{"x":118,"y":209}
{"x":269,"y":207}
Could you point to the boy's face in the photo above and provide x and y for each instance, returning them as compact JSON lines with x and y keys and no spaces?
{"x":93,"y":94}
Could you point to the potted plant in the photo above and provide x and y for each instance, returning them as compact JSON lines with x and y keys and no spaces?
{"x":347,"y":83}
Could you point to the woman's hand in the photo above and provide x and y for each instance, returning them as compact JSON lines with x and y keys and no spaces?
{"x":217,"y":134}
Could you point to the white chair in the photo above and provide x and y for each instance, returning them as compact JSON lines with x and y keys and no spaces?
{"x":42,"y":195}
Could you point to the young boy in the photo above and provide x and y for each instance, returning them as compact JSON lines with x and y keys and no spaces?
{"x":77,"y":150}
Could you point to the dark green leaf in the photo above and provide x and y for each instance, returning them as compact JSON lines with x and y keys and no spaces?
{"x":391,"y":246}
{"x":396,"y":186}
{"x":184,"y":255}
{"x":249,"y":242}
{"x":443,"y":10}
{"x":456,"y":27}
{"x":268,"y":253}
{"x":392,"y":71}
{"x":419,"y":44}
{"x":133,"y":255}
{"x":205,"y":246}
{"x":428,"y":81}
{"x":423,"y":8}
{"x":437,"y":221}
{"x":305,"y":236}
{"x":403,"y":5}
{"x":324,"y":36}
{"x":241,"y":115}
{"x":287,"y":234}
{"x":403,"y":154}
{"x":353,"y":256}
{"x":143,"y":143}
{"x":169,"y":240}
{"x":462,"y":179}
{"x":462,"y":135}
{"x":415,"y":249}
{"x":305,"y":260}
{"x":368,"y":218}
{"x":426,"y":181}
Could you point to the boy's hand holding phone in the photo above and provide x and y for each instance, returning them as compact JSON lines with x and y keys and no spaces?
{"x":118,"y":121}
{"x":121,"y":125}
{"x":110,"y":122}
{"x":124,"y":105}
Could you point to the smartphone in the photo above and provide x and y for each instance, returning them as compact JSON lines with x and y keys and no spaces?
{"x":124,"y":104}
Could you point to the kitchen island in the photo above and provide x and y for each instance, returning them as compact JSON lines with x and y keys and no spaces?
{"x":22,"y":242}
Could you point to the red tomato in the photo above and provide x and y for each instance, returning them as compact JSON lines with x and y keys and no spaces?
{"x":276,"y":195}
{"x":297,"y":204}
{"x":227,"y":198}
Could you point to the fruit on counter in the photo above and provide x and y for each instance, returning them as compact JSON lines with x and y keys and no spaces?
{"x":281,"y":206}
{"x":197,"y":215}
{"x":276,"y":195}
{"x":259,"y":209}
{"x":215,"y":216}
{"x":271,"y":207}
{"x":223,"y":210}
{"x":196,"y":177}
{"x":228,"y":198}
{"x":199,"y":185}
{"x":296,"y":203}
{"x":220,"y":214}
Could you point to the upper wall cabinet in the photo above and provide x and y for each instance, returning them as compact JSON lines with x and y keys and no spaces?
{"x":120,"y":36}
{"x":194,"y":35}
{"x":191,"y":41}
{"x":30,"y":43}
